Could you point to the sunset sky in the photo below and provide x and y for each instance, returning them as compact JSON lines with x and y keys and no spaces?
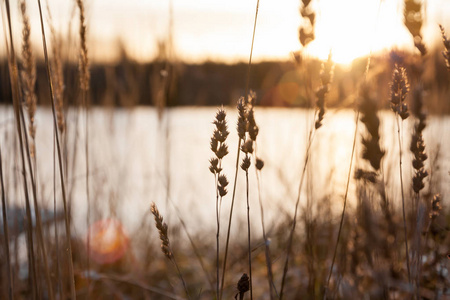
{"x":221,"y":30}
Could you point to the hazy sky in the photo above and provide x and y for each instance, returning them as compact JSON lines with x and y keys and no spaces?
{"x":219,"y":29}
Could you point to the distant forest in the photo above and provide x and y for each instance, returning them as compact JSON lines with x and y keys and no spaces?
{"x":127,"y":83}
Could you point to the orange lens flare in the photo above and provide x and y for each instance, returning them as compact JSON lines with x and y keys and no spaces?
{"x":108,"y":241}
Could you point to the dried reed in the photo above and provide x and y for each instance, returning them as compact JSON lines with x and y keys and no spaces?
{"x":84,"y":77}
{"x":249,"y":132}
{"x":29,"y":79}
{"x":6,"y":233}
{"x":418,"y":149}
{"x":399,"y":89}
{"x":165,"y":243}
{"x":60,"y":158}
{"x":83,"y":63}
{"x":259,"y":164}
{"x":237,"y":156}
{"x":446,"y":52}
{"x":220,"y":149}
{"x":417,"y":142}
{"x":326,"y":77}
{"x":28,"y":75}
{"x":14,"y":75}
{"x":58,"y":73}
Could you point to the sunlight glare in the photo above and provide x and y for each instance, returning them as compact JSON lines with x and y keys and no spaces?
{"x":353,"y":28}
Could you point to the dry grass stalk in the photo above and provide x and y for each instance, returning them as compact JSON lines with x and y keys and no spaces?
{"x":237,"y":157}
{"x":326,"y":76}
{"x":446,"y":52}
{"x":372,"y":151}
{"x":220,"y":149}
{"x":165,"y":243}
{"x":28,"y":75}
{"x":417,"y":142}
{"x":6,"y":233}
{"x":39,"y":230}
{"x":341,"y":223}
{"x":83,"y":66}
{"x":249,"y":132}
{"x":12,"y":64}
{"x":241,"y":133}
{"x":162,"y":229}
{"x":378,"y":153}
{"x":418,"y":149}
{"x":60,"y":158}
{"x":58,"y":73}
{"x":83,"y":60}
{"x":29,"y":80}
{"x":259,"y":164}
{"x":399,"y":89}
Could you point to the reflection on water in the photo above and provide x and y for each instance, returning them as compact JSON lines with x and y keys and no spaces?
{"x":136,"y":159}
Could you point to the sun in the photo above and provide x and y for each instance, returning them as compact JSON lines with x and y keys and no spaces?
{"x":354,"y":28}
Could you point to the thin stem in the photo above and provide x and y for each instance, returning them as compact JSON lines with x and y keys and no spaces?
{"x":419,"y":246}
{"x":218,"y":209}
{"x":88,"y":198}
{"x":230,"y":218}
{"x":251,"y":51}
{"x":6,"y":232}
{"x":58,"y":146}
{"x":294,"y":221}
{"x":403,"y":198}
{"x":191,"y":241}
{"x":216,"y":176}
{"x":237,"y":157}
{"x":249,"y":235}
{"x":58,"y":271}
{"x":16,"y":102}
{"x":366,"y":72}
{"x":344,"y":206}
{"x":180,"y":275}
{"x":37,"y":212}
{"x":266,"y":242}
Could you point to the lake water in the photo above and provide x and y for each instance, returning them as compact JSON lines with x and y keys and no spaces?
{"x":137,"y":157}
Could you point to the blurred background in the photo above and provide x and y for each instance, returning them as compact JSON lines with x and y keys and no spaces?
{"x":206,"y":45}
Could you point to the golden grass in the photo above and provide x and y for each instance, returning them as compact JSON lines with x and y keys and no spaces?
{"x":366,"y":260}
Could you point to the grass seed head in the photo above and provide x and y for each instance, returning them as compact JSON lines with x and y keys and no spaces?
{"x":29,"y":73}
{"x":246,"y":163}
{"x":243,"y":286}
{"x":242,"y":118}
{"x":83,"y":61}
{"x":372,"y":151}
{"x":162,"y":229}
{"x":247,"y":147}
{"x":435,"y":206}
{"x":214,"y":166}
{"x":259,"y":164}
{"x":399,"y":90}
{"x":417,"y":146}
{"x":326,"y":77}
{"x":222,"y":185}
{"x":446,"y":52}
